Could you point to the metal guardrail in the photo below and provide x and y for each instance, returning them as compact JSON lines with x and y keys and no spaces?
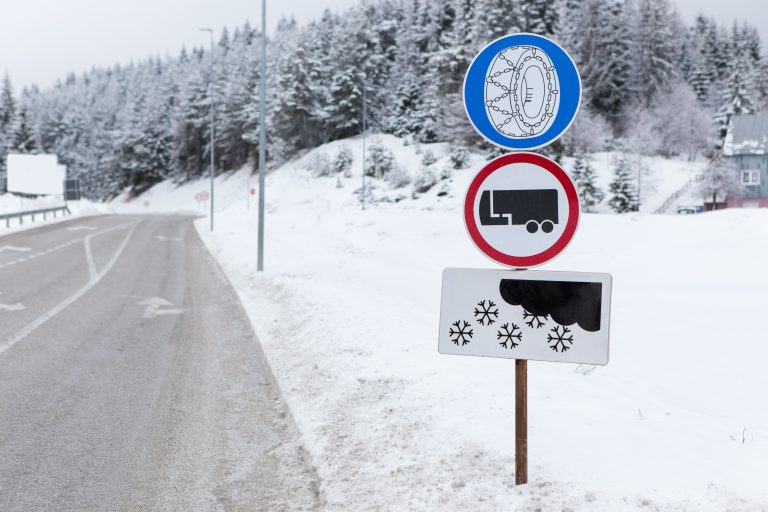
{"x":32,"y":213}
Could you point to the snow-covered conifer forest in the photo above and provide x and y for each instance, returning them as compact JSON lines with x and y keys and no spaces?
{"x":645,"y":74}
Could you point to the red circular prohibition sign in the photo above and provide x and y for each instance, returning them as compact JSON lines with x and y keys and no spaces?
{"x":534,"y":259}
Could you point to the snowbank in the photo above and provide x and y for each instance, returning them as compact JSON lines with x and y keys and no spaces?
{"x":10,"y":203}
{"x":347,"y":312}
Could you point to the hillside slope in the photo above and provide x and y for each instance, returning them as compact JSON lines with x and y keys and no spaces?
{"x":347,"y":313}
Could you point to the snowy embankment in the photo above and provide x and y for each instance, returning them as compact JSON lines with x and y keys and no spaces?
{"x":347,"y":313}
{"x":10,"y":203}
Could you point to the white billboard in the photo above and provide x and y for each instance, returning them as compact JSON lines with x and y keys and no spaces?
{"x":35,"y":174}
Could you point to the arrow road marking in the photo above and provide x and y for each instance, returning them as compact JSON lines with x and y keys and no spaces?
{"x":35,"y":324}
{"x":154,"y":306}
{"x":81,"y":228}
{"x":15,"y":249}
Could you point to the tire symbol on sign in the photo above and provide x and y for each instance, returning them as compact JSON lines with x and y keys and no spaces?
{"x":532,"y":208}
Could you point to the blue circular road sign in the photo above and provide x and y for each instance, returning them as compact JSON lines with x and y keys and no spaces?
{"x":522,"y":91}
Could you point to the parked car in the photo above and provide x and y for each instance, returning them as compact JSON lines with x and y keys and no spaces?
{"x":688,"y":209}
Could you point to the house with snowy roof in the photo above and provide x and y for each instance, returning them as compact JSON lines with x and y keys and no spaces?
{"x":746,"y":146}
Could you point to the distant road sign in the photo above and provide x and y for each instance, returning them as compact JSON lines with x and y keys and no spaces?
{"x":545,"y":316}
{"x":522,"y":91}
{"x":204,"y":195}
{"x":72,"y":190}
{"x":521,"y":210}
{"x":253,"y":191}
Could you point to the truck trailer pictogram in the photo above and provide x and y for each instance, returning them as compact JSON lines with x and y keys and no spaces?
{"x":532,"y":208}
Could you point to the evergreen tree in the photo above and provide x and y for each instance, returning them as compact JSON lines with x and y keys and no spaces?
{"x":7,"y":121}
{"x":584,"y":178}
{"x":24,"y":139}
{"x":622,"y":188}
{"x":654,"y":46}
{"x":719,"y":179}
{"x":539,"y":16}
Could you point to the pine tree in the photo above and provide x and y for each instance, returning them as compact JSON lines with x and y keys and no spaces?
{"x":719,"y":179}
{"x":654,"y":46}
{"x":623,"y":193}
{"x":7,"y":121}
{"x":539,"y":16}
{"x":737,"y":97}
{"x":24,"y":139}
{"x":584,"y":178}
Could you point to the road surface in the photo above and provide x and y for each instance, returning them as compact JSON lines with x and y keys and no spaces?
{"x":130,"y":379}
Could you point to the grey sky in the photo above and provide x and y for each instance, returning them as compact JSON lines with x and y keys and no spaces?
{"x":42,"y":40}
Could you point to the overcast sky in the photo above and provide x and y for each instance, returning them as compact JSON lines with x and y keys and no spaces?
{"x":42,"y":40}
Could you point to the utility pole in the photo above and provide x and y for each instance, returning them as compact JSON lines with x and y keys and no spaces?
{"x":362,"y":192}
{"x":213,"y":138}
{"x":262,"y":132}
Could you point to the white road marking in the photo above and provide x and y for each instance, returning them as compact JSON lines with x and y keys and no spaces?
{"x":60,"y":246}
{"x":35,"y":324}
{"x":82,"y":228}
{"x":92,"y":272}
{"x":164,"y":238}
{"x":12,"y":307}
{"x":153,"y":307}
{"x":15,"y":249}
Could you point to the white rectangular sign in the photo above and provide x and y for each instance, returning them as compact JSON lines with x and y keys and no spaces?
{"x":524,"y":314}
{"x":35,"y":174}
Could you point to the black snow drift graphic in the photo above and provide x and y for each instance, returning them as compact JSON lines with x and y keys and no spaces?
{"x":565,"y":302}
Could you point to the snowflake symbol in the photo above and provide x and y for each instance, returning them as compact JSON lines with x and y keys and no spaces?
{"x":485,"y":312}
{"x":460,"y":334}
{"x":538,"y":320}
{"x":507,"y":335}
{"x":560,"y":338}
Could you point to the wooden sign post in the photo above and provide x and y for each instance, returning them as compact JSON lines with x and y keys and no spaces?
{"x":521,"y":421}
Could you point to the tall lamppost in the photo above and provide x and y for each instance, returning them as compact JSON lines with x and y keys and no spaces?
{"x":213,"y":138}
{"x":365,"y":127}
{"x":262,"y":132}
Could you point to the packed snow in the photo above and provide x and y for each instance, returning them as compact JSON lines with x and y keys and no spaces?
{"x":11,"y":203}
{"x":347,"y":315}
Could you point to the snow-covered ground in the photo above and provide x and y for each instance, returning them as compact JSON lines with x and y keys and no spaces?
{"x":10,"y":203}
{"x":347,"y":313}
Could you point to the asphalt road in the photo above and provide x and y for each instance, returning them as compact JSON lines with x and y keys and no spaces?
{"x":130,"y":379}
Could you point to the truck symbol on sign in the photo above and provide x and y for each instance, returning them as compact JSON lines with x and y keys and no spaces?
{"x":533,"y":208}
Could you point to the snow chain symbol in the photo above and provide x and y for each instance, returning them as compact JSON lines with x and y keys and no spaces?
{"x":521,"y":87}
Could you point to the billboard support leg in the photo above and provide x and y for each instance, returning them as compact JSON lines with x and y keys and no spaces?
{"x":521,"y":421}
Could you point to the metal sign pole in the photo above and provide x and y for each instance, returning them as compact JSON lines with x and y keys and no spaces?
{"x":521,"y":421}
{"x":262,"y":132}
{"x":362,"y":193}
{"x":213,"y":119}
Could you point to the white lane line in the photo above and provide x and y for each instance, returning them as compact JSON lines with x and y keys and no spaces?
{"x":14,"y":249}
{"x":92,"y":272}
{"x":35,"y":324}
{"x":12,"y":307}
{"x":61,"y":246}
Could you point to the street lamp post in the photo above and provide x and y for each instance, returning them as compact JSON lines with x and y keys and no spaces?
{"x":365,"y":122}
{"x":262,"y":132}
{"x":213,"y":137}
